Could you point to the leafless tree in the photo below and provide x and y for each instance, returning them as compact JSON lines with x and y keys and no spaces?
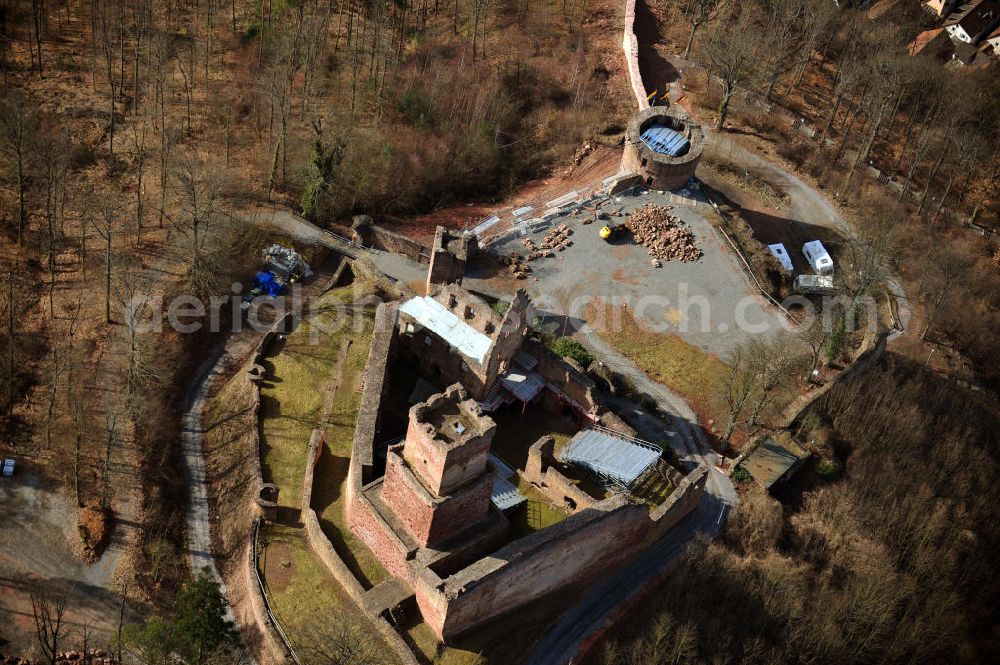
{"x":875,"y":253}
{"x":947,"y":268}
{"x":140,"y":129}
{"x":337,"y":643}
{"x":756,"y":368}
{"x":132,"y":294}
{"x":18,"y":124}
{"x":106,"y":223}
{"x":733,"y":53}
{"x":198,"y":213}
{"x":698,"y":11}
{"x":48,"y":609}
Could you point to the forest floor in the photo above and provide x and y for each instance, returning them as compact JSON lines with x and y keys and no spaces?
{"x":38,"y":533}
{"x":600,"y":162}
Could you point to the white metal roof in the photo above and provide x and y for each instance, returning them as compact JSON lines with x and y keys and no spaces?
{"x":505,"y":495}
{"x":523,"y":384}
{"x":457,"y":333}
{"x":611,"y":455}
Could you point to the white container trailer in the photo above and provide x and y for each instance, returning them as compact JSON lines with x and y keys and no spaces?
{"x":819,"y":259}
{"x":780,"y":253}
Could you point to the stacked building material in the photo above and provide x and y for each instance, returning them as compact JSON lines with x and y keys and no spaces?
{"x":664,"y":235}
{"x":518,"y":266}
{"x":558,"y":238}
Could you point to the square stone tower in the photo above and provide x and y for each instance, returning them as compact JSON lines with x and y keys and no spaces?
{"x":438,"y":481}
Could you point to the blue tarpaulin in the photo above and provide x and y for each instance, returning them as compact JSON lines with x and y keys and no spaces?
{"x":268,"y":283}
{"x":665,"y":140}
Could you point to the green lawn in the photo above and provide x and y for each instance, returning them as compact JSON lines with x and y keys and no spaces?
{"x":537,"y":513}
{"x":666,"y":358}
{"x":302,"y":370}
{"x":298,"y":374}
{"x":312,"y":608}
{"x":331,"y":472}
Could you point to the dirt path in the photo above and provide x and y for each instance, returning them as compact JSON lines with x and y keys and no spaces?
{"x":37,"y":532}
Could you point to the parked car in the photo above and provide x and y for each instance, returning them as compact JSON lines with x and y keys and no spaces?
{"x":8,"y":468}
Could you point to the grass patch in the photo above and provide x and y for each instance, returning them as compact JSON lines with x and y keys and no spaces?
{"x":298,"y":373}
{"x":751,"y":183}
{"x":311,"y":607}
{"x":331,"y":472}
{"x":536,"y":514}
{"x":666,"y":358}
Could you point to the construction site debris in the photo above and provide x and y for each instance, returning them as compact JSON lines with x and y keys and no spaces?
{"x":582,"y":153}
{"x":664,"y":235}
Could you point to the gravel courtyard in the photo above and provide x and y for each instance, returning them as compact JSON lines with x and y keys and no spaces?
{"x":709,"y":303}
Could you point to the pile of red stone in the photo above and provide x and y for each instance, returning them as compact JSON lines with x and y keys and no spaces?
{"x":517,"y":265}
{"x":536,"y":252}
{"x":664,"y":235}
{"x":558,"y":238}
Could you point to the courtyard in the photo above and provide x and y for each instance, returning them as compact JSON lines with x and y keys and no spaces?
{"x":709,"y":303}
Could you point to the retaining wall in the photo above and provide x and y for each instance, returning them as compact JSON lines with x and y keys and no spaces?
{"x":872,"y":347}
{"x":371,"y":235}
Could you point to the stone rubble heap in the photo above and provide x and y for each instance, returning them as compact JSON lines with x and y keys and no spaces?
{"x":665,"y":236}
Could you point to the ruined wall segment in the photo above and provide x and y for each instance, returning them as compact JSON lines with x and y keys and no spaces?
{"x":449,"y":255}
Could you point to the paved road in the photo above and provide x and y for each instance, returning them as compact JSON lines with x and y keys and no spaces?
{"x":563,"y":642}
{"x":199,"y":545}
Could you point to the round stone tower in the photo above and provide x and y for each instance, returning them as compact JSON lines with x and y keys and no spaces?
{"x":663,"y":145}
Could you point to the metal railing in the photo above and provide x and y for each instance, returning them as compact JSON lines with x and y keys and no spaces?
{"x":263,"y":592}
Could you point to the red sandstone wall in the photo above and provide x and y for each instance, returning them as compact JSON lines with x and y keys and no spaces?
{"x":372,"y":529}
{"x":430,"y":521}
{"x":522,"y":576}
{"x":443,"y":470}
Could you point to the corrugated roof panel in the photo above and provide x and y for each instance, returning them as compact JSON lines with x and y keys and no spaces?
{"x":610,"y":456}
{"x":505,"y":495}
{"x":665,"y":140}
{"x":457,"y":333}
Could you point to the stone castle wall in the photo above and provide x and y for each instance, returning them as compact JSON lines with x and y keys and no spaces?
{"x":367,"y":233}
{"x":630,"y":45}
{"x":580,"y":547}
{"x":427,"y":518}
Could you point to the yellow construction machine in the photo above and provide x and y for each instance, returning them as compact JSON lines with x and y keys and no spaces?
{"x":609,"y":231}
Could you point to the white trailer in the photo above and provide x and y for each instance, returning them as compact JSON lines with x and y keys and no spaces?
{"x":780,"y":253}
{"x":819,"y":259}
